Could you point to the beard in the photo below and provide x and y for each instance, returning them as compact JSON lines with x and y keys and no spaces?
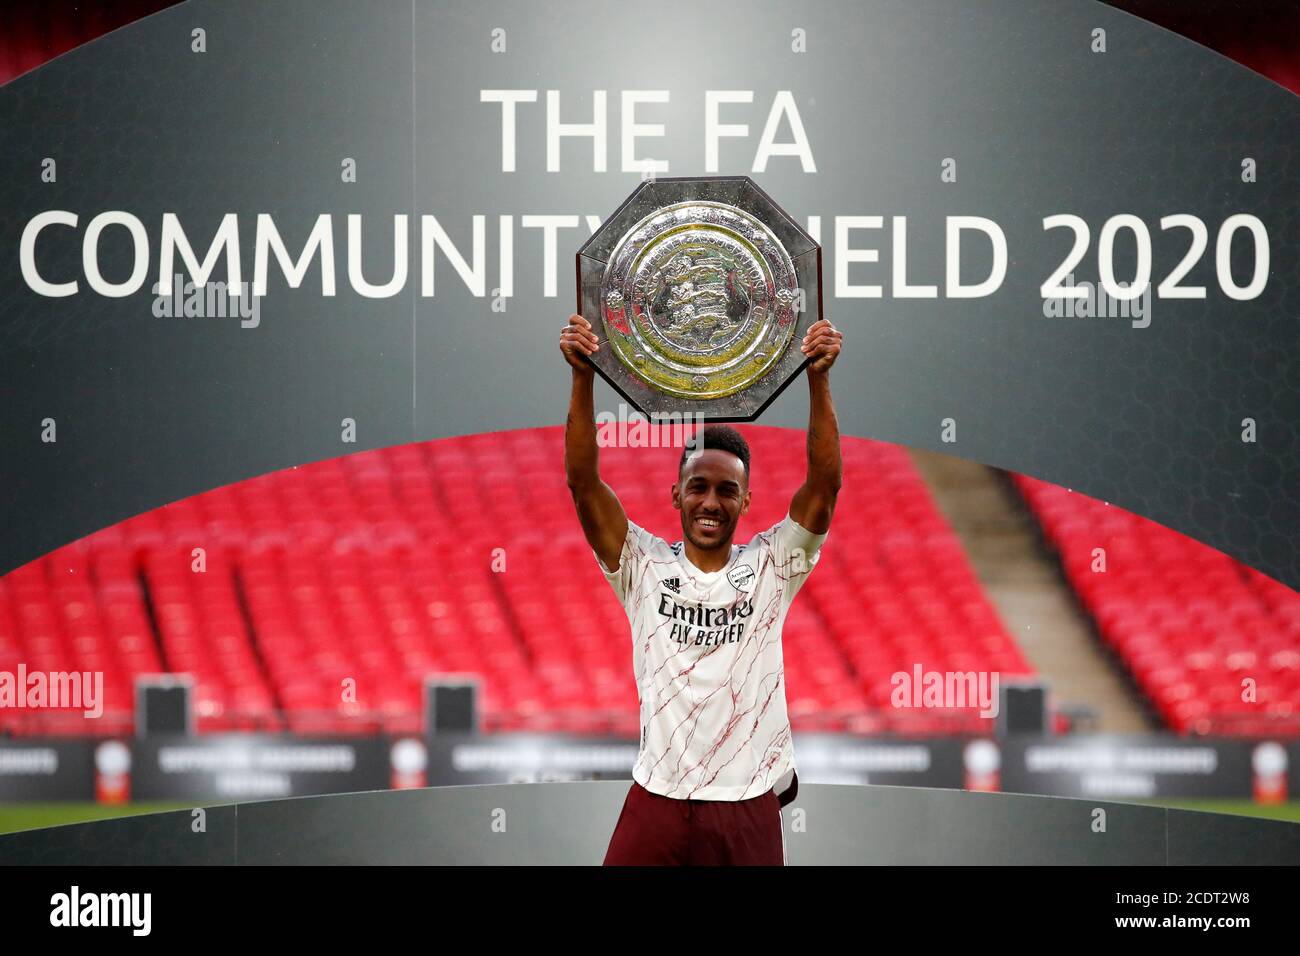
{"x":726,"y":531}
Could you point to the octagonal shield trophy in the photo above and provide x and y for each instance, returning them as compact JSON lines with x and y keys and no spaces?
{"x":700,"y":290}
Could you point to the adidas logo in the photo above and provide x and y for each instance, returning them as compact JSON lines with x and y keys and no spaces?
{"x":673,"y":584}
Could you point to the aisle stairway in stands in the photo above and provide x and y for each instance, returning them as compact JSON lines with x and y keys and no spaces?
{"x":1024,"y":582}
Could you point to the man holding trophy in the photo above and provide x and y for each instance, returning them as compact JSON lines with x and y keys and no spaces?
{"x":704,"y":306}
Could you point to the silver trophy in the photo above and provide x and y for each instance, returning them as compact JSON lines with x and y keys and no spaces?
{"x":700,"y":289}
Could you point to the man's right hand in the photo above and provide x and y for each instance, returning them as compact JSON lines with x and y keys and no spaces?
{"x":604,"y":523}
{"x":576,"y":340}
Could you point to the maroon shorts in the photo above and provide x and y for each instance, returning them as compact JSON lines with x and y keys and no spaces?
{"x":654,"y":830}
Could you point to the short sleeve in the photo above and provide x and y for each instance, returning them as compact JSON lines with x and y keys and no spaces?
{"x":795,"y":551}
{"x":631,"y":561}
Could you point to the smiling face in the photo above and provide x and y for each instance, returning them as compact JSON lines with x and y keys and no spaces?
{"x":712,"y":492}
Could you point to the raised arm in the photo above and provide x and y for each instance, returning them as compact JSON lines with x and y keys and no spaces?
{"x":599,"y":511}
{"x":814,"y":502}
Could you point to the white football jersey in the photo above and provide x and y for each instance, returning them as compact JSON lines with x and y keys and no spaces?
{"x":706,"y":651}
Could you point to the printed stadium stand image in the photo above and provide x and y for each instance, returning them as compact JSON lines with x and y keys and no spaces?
{"x":379,"y":567}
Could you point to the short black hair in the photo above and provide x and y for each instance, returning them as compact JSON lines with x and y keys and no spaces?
{"x":724,"y":438}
